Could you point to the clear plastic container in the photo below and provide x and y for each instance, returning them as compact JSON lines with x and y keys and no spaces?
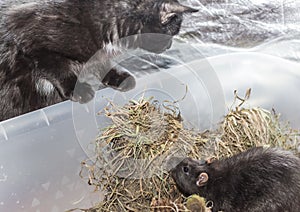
{"x":41,"y":152}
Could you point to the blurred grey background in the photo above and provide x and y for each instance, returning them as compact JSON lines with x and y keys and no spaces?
{"x":268,"y":26}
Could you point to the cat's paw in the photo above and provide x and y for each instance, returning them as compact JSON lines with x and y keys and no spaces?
{"x":83,"y":93}
{"x":119,"y":80}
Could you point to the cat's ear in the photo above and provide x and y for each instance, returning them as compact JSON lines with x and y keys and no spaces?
{"x":170,"y":9}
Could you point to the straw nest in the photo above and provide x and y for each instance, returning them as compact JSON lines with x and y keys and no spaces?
{"x":131,"y":155}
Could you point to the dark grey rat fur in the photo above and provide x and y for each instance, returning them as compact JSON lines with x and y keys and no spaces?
{"x":45,"y":45}
{"x":258,"y":180}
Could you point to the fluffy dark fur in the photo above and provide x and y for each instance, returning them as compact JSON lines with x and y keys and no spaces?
{"x":258,"y":180}
{"x":45,"y":45}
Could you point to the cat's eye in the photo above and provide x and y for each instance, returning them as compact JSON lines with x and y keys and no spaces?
{"x":185,"y":169}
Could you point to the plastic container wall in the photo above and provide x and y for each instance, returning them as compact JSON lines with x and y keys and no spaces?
{"x":41,"y":152}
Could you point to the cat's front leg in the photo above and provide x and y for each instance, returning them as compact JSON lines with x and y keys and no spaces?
{"x":119,"y":79}
{"x":82,"y":93}
{"x":70,"y":88}
{"x":63,"y":73}
{"x":104,"y":67}
{"x":78,"y":82}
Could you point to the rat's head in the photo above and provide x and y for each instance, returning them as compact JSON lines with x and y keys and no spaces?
{"x":163,"y":18}
{"x":190,"y":175}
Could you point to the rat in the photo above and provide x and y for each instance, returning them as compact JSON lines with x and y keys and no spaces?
{"x":257,"y":180}
{"x":45,"y":45}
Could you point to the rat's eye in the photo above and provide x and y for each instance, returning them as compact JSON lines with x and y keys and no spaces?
{"x":185,"y":169}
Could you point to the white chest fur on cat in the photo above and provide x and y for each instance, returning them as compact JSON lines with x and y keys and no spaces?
{"x":44,"y":87}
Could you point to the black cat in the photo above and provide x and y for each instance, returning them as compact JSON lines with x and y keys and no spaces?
{"x":45,"y":45}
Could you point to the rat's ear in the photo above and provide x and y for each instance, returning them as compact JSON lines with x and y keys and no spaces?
{"x":202,"y":179}
{"x":170,"y":9}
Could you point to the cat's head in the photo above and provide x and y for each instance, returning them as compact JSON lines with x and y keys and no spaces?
{"x":164,"y":16}
{"x":161,"y":17}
